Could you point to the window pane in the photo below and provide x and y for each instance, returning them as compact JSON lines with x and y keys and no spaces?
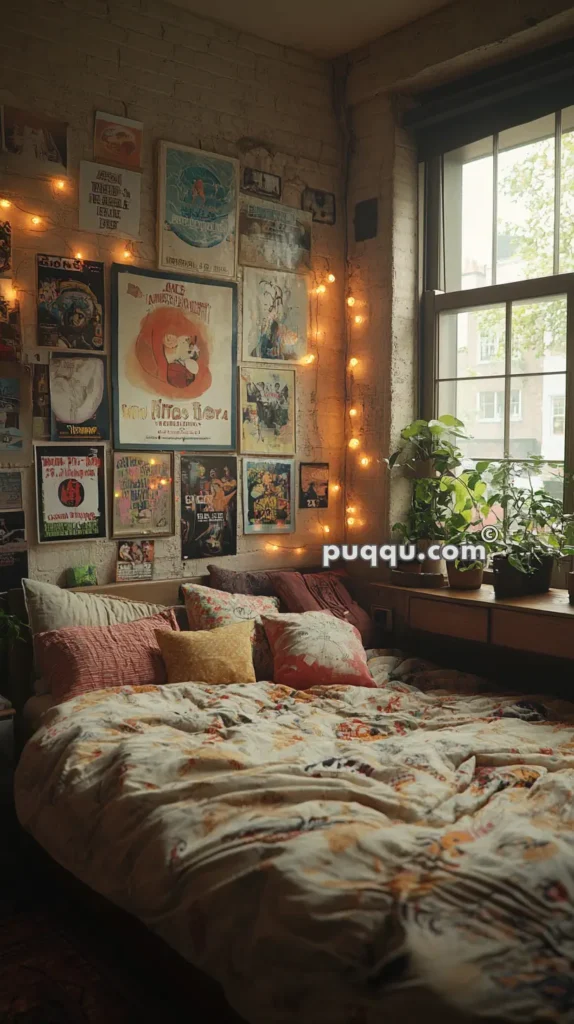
{"x":539,"y":335}
{"x":537,"y":428}
{"x":567,"y":192}
{"x":480,"y":405}
{"x":471,"y":342}
{"x":525,"y":198}
{"x":468,"y":190}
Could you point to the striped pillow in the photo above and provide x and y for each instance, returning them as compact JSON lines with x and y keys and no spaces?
{"x":83,"y":658}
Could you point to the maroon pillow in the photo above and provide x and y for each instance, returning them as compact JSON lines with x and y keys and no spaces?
{"x":258,"y":584}
{"x":331,"y":594}
{"x":294,"y":593}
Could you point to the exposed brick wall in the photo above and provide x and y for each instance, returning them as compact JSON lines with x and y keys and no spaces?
{"x":200,"y":84}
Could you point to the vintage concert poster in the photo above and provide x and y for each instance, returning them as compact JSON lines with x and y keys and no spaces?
{"x":174,"y":345}
{"x":268,"y":498}
{"x":275,"y":316}
{"x":274,"y":236}
{"x":208,"y":506}
{"x":79,"y":397}
{"x":70,"y":303}
{"x":15,"y":414}
{"x":33,"y":145}
{"x":71,"y":492}
{"x":10,"y":489}
{"x":313,"y":485}
{"x":109,"y":200}
{"x":10,"y":323}
{"x":267,"y":410}
{"x":197,"y":211}
{"x":143,"y":494}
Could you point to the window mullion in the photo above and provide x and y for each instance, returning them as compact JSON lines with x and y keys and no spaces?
{"x":494,"y":206}
{"x":569,"y":411}
{"x":507,"y":380}
{"x":557,"y":190}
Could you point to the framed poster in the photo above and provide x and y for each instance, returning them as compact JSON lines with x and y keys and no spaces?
{"x":15,"y":414}
{"x":143,"y":494}
{"x":267,"y":410}
{"x":268,"y":496}
{"x":70,"y":492}
{"x":10,"y":325}
{"x":118,"y":140}
{"x":313,"y":485}
{"x":5,"y":248}
{"x":273,"y":236}
{"x":197,"y":211}
{"x":109,"y":200}
{"x":174,"y":351}
{"x":41,"y":416}
{"x":13,"y":550}
{"x":70,"y":303}
{"x":135,"y":560}
{"x":79,"y":397}
{"x":208,"y":506}
{"x":321,"y":205}
{"x":10,"y":489}
{"x":34,"y":146}
{"x":261,"y":183}
{"x":275,"y":316}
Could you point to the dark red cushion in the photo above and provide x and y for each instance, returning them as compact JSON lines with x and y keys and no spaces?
{"x":331,"y":594}
{"x":258,"y":584}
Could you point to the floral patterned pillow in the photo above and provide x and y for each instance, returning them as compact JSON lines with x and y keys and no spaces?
{"x":316,"y":649}
{"x":207,"y":608}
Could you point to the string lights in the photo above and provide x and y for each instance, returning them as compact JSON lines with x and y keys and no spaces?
{"x":354,"y":443}
{"x":351,"y":300}
{"x":353,"y":363}
{"x":5,"y":203}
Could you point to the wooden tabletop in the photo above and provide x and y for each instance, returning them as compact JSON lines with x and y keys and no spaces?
{"x":554,"y":602}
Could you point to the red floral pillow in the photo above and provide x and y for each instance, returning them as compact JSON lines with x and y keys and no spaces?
{"x":314,"y":649}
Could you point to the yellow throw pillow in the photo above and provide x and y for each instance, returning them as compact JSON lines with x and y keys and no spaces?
{"x":221,"y":655}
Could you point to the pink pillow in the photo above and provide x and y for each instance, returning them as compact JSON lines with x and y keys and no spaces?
{"x":83,"y":658}
{"x":314,"y":649}
{"x":207,"y":609}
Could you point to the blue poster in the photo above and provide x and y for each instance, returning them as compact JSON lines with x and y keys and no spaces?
{"x":197,"y":222}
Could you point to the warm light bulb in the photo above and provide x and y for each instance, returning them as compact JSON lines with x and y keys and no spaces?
{"x":334,"y":488}
{"x":361,"y":522}
{"x":299,"y":551}
{"x":117,"y":494}
{"x":351,"y":510}
{"x":60,"y":184}
{"x":5,"y":203}
{"x":321,"y":289}
{"x":358,"y":319}
{"x":272,"y":547}
{"x":326,"y":529}
{"x":331,"y":278}
{"x":163,"y":482}
{"x":78,"y":256}
{"x":36,"y":220}
{"x":152,"y":462}
{"x":354,"y":442}
{"x":352,"y":412}
{"x":350,"y":521}
{"x":351,"y":301}
{"x":126,"y":254}
{"x":353,"y":362}
{"x":308,"y":359}
{"x":364,"y":461}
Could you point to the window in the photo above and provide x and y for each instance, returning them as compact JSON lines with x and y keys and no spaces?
{"x":491,"y":406}
{"x":488,"y":347}
{"x":558,"y":413}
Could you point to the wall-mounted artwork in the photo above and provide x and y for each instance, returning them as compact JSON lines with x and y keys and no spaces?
{"x":70,"y":492}
{"x":321,"y":205}
{"x":261,"y":183}
{"x":314,"y":485}
{"x":143,"y":494}
{"x":13,"y":550}
{"x":275,"y":315}
{"x":10,"y":489}
{"x":118,"y":140}
{"x":273,"y":236}
{"x":41,"y":418}
{"x":5,"y":248}
{"x":10,"y":325}
{"x":70,"y":303}
{"x":34,"y":146}
{"x":268,"y":496}
{"x":135,"y":560}
{"x":197,"y":211}
{"x":79,"y":397}
{"x":267,"y":410}
{"x":174,"y":343}
{"x":15,"y":414}
{"x":208,"y":506}
{"x":109,"y":200}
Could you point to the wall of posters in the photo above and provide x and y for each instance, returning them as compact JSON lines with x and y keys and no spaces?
{"x":174,"y":354}
{"x":71,"y":492}
{"x":79,"y":397}
{"x":143,"y":494}
{"x":208,"y":506}
{"x":109,"y":200}
{"x":314,"y":485}
{"x":33,"y":145}
{"x":15,"y":414}
{"x":274,"y":236}
{"x":13,"y":550}
{"x":267,"y":410}
{"x":268,"y":496}
{"x":118,"y":140}
{"x":41,"y":417}
{"x":275,"y":315}
{"x":70,"y":303}
{"x":197,"y":211}
{"x":5,"y":248}
{"x":135,"y":560}
{"x":10,"y":489}
{"x":10,"y":325}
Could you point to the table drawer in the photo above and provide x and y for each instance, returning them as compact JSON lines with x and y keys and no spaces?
{"x":542,"y":634}
{"x":449,"y":618}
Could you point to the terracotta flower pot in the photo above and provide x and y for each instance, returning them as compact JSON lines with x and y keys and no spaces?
{"x":430,"y":564}
{"x":464,"y":579}
{"x":510,"y":582}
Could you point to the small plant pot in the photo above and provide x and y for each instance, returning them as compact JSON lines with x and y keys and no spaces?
{"x":464,"y":579}
{"x":430,"y":564}
{"x":510,"y":582}
{"x":413,"y":566}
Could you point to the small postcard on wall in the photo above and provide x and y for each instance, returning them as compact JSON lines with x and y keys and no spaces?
{"x":135,"y":560}
{"x":260,"y":183}
{"x":118,"y":140}
{"x":109,"y":200}
{"x":314,"y":485}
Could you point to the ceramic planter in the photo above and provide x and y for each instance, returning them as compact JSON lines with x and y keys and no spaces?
{"x":510,"y":582}
{"x":464,"y":579}
{"x":430,"y":564}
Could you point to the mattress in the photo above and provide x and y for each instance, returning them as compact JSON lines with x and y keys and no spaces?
{"x":315,"y":851}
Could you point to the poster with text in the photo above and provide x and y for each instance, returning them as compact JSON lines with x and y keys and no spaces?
{"x":10,"y":489}
{"x":275,"y":316}
{"x":10,"y":324}
{"x":13,"y":549}
{"x":5,"y":248}
{"x":79,"y":397}
{"x":197,"y":211}
{"x":268,"y":496}
{"x":15,"y":414}
{"x":118,"y":140}
{"x":208,"y":506}
{"x":267,"y":410}
{"x":71,"y":492}
{"x":33,"y":146}
{"x":314,"y":485}
{"x":109,"y":200}
{"x":274,"y":236}
{"x":41,"y":418}
{"x":135,"y":560}
{"x":70,"y":303}
{"x":143,"y":494}
{"x":174,"y":356}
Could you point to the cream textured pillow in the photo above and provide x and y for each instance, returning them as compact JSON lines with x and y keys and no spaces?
{"x":221,"y":655}
{"x":50,"y":607}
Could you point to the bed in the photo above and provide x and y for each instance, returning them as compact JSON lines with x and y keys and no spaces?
{"x":319,"y":852}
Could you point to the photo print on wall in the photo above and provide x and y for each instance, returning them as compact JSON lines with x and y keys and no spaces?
{"x":267,"y":410}
{"x":79,"y":397}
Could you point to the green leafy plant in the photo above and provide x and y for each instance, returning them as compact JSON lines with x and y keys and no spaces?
{"x":432,"y":442}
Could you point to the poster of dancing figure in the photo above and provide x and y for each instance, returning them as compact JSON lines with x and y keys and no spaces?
{"x":208,"y":506}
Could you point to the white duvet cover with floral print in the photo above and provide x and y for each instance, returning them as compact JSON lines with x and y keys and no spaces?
{"x":312,"y":849}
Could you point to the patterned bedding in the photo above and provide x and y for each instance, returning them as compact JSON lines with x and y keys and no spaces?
{"x":311,"y":850}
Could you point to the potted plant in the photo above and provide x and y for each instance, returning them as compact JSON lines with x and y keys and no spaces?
{"x":462,"y":522}
{"x":429,"y":447}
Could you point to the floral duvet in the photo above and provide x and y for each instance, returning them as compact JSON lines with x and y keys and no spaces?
{"x":312,"y":850}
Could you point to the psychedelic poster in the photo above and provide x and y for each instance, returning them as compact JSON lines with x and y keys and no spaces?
{"x":13,"y":550}
{"x":79,"y":397}
{"x":70,"y":303}
{"x":268,"y":496}
{"x":5,"y":248}
{"x":109,"y":200}
{"x":71,"y":492}
{"x":174,"y":356}
{"x":118,"y":140}
{"x":135,"y":560}
{"x":10,"y":489}
{"x":15,"y":410}
{"x":10,"y":326}
{"x":314,"y":485}
{"x":274,"y":236}
{"x":275,"y":316}
{"x":143,"y":494}
{"x":33,"y":145}
{"x":208,"y":506}
{"x":197,"y":211}
{"x":267,"y":410}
